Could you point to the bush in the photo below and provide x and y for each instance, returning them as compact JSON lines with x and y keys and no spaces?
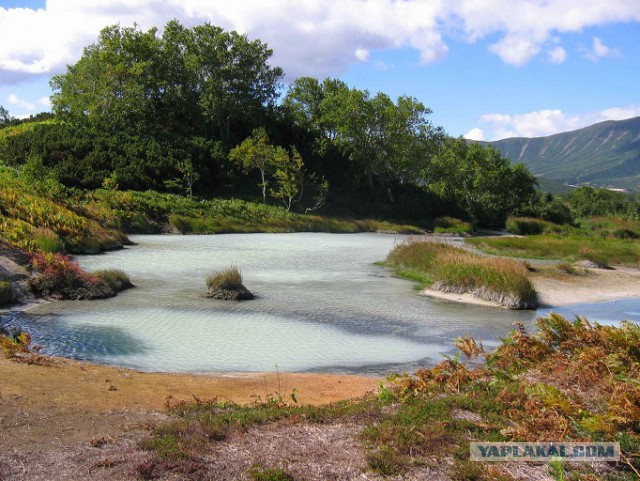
{"x":451,"y":225}
{"x":6,"y":293}
{"x":56,"y":275}
{"x":525,"y":226}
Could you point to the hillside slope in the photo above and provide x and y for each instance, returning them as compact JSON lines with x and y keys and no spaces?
{"x":606,"y":154}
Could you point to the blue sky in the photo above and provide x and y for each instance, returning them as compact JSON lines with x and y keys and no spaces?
{"x":488,"y":69}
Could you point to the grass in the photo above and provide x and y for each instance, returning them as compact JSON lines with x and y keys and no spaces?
{"x":571,"y":248}
{"x":230,"y":278}
{"x":571,"y":381}
{"x":147,"y":212}
{"x":450,"y":225}
{"x":451,"y":269}
{"x":116,"y":279}
{"x":227,"y":285}
{"x":33,"y":222}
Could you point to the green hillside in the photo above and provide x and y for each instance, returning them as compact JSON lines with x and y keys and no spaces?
{"x":606,"y":154}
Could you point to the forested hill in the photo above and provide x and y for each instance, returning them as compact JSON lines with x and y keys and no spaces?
{"x":606,"y":154}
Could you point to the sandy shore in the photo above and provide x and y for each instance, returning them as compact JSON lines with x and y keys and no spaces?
{"x":593,"y":285}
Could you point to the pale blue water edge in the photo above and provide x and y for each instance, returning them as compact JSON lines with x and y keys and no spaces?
{"x":323,"y":306}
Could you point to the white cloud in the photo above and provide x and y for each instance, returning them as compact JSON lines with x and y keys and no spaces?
{"x":44,"y":101}
{"x":18,"y":102}
{"x":362,"y":54}
{"x":475,"y":134}
{"x":557,"y":55}
{"x":314,"y":37}
{"x":545,"y":122}
{"x":600,"y":50}
{"x":308,"y":38}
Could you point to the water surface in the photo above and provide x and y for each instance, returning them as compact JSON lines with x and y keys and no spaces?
{"x":322,"y":306}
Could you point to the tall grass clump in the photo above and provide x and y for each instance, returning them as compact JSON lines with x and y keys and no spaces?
{"x":116,"y":279}
{"x":46,"y":240}
{"x":227,"y":285}
{"x":450,"y":269}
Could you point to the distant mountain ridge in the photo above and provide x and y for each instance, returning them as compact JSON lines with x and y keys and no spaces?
{"x":606,"y":154}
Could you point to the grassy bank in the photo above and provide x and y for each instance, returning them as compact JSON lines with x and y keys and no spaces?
{"x":603,"y":250}
{"x":33,"y":221}
{"x":450,"y":269}
{"x":149,"y":212}
{"x":571,"y":381}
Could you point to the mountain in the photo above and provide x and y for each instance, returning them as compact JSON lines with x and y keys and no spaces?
{"x":606,"y":154}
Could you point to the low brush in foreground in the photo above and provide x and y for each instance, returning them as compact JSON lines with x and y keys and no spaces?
{"x":227,"y":286}
{"x":446,"y":268}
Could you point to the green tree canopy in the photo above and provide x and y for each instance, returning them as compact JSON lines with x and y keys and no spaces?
{"x":480,"y":181}
{"x":383,"y":140}
{"x":202,"y":80}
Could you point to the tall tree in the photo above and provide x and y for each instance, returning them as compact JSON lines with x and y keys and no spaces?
{"x":383,"y":140}
{"x":480,"y":181}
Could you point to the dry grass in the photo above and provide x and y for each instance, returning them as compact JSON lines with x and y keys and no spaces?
{"x":451,"y":269}
{"x":230,"y":278}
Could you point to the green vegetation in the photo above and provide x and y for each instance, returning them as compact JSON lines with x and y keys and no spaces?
{"x":480,"y":182}
{"x":570,"y":381}
{"x":605,"y":251}
{"x":260,"y":473}
{"x":6,"y":293}
{"x":449,"y":225}
{"x":36,"y":222}
{"x":193,"y":111}
{"x":57,"y":276}
{"x":450,"y":269}
{"x":115,"y":279}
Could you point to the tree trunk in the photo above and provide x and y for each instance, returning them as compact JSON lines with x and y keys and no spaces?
{"x":264,"y":187}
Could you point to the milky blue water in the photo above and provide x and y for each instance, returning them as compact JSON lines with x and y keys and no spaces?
{"x":322,"y":306}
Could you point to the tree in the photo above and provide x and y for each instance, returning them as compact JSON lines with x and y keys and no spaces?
{"x":5,"y":118}
{"x":383,"y":140}
{"x":288,"y":176}
{"x":482,"y":183}
{"x":257,"y":152}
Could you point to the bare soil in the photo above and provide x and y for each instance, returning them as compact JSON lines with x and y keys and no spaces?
{"x":69,"y":420}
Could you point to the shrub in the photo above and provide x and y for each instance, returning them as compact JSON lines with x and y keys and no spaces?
{"x":56,"y":275}
{"x":15,"y":341}
{"x":525,"y":225}
{"x":6,"y":293}
{"x":451,"y":225}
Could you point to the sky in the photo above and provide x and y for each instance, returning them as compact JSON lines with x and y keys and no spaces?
{"x":488,"y":69}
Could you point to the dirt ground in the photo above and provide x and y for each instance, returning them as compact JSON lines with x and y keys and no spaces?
{"x":71,"y":420}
